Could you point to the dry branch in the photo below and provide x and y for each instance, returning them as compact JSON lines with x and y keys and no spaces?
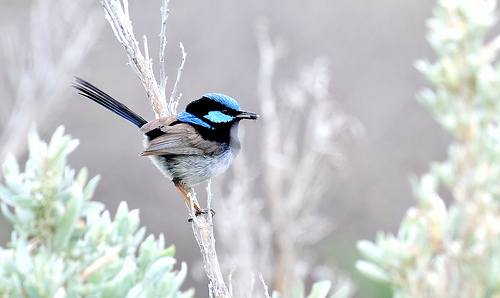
{"x":118,"y":17}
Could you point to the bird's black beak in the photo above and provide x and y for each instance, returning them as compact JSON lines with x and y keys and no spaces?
{"x":247,"y":115}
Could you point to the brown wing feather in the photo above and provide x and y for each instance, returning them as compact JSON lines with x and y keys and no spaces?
{"x":178,"y":139}
{"x":157,"y":123}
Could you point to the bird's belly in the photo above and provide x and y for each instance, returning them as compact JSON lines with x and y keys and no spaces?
{"x":191,"y":170}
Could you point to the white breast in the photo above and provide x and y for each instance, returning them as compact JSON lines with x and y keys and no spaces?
{"x":193,"y":169}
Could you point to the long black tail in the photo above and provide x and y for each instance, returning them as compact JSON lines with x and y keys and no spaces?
{"x":95,"y":94}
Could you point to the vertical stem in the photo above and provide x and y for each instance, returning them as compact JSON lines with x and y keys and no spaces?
{"x":204,"y":234}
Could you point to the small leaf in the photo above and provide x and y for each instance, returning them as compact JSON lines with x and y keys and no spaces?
{"x":89,"y":190}
{"x":10,"y":166}
{"x":123,"y":281}
{"x":8,"y":214}
{"x":178,"y":279}
{"x":159,"y":267}
{"x":67,"y":223}
{"x":124,"y":225}
{"x":320,"y":289}
{"x":370,"y":251}
{"x":121,"y":211}
{"x":24,"y":215}
{"x":373,"y":271}
{"x":6,"y":196}
{"x":82,"y":177}
{"x":169,"y":252}
{"x":90,"y":207}
{"x":23,"y":201}
{"x":60,"y":152}
{"x":343,"y":292}
{"x":135,"y":291}
{"x":138,"y":237}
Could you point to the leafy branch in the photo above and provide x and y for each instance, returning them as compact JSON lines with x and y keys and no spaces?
{"x":64,"y":245}
{"x":453,"y":250}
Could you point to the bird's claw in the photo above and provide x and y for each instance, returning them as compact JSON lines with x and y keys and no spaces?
{"x":199,"y":212}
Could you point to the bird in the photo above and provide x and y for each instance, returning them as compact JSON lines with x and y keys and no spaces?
{"x":189,"y":148}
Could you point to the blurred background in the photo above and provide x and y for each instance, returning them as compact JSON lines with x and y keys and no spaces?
{"x":370,"y":47}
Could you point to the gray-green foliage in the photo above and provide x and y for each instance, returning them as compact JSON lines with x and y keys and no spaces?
{"x":64,"y":245}
{"x":320,"y":289}
{"x":454,"y":250}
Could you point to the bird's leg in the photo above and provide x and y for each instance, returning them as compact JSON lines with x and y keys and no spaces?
{"x":185,"y":195}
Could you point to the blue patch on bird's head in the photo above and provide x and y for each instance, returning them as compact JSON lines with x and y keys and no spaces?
{"x":224,"y":99}
{"x":218,"y":117}
{"x":190,"y":118}
{"x":212,"y":111}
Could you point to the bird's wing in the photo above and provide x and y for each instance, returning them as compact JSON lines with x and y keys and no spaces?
{"x":175,"y":139}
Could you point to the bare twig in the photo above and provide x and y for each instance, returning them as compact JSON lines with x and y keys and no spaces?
{"x":163,"y":43}
{"x":204,"y":235}
{"x":101,"y":262}
{"x":174,"y":100}
{"x":118,"y":17}
{"x":266,"y":288}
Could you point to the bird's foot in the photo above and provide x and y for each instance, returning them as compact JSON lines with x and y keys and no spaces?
{"x":199,"y":212}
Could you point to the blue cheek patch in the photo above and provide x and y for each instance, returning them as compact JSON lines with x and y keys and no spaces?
{"x":218,"y":117}
{"x":190,"y":118}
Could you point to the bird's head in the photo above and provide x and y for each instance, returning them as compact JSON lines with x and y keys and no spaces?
{"x":215,"y":112}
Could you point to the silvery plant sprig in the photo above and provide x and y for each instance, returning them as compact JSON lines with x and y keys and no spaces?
{"x":452,"y":248}
{"x":65,"y":245}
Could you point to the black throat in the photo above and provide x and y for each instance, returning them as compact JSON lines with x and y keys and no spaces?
{"x":220,"y":133}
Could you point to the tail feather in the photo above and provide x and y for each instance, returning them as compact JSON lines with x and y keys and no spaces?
{"x":95,"y":94}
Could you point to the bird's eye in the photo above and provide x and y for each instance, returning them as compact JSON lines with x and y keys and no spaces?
{"x":225,"y":111}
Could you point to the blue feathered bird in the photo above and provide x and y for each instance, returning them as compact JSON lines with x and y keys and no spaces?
{"x":198,"y":144}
